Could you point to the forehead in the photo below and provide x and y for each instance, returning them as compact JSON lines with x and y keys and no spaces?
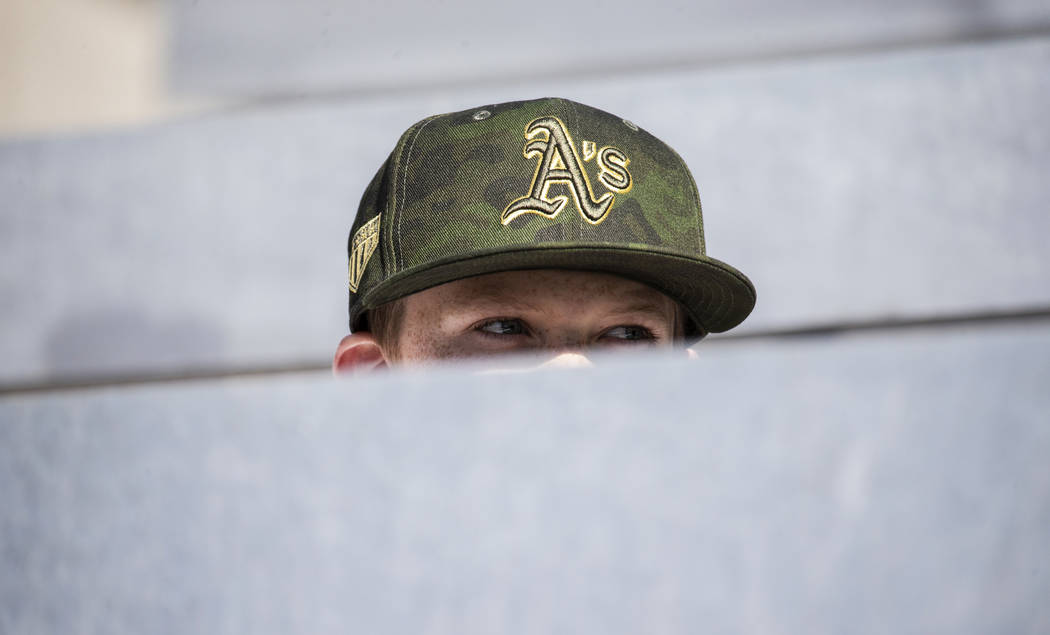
{"x":540,"y":289}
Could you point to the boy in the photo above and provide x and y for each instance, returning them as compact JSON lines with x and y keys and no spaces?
{"x":545,"y":227}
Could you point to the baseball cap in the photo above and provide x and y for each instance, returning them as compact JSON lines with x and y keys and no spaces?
{"x":540,"y":184}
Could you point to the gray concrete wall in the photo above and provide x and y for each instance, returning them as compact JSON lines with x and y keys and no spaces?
{"x":897,"y":185}
{"x":873,"y":167}
{"x":867,"y":484}
{"x":270,"y":47}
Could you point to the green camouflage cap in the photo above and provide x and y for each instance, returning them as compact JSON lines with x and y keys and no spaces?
{"x":542,"y":184}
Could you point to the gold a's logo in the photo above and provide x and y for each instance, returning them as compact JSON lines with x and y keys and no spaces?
{"x":547,"y":138}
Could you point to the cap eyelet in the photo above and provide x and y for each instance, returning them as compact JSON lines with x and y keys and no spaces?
{"x":481,"y":115}
{"x":630,"y":124}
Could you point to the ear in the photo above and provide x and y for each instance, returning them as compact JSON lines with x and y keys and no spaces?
{"x":358,"y":352}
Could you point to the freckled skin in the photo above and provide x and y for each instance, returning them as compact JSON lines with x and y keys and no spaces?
{"x":545,"y":312}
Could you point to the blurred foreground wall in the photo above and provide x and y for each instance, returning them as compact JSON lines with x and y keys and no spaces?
{"x":785,"y":487}
{"x":864,"y":453}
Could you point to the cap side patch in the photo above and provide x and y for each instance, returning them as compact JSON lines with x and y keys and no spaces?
{"x":365,"y":242}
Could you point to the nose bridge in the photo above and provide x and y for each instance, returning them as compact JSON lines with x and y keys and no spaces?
{"x":565,"y":339}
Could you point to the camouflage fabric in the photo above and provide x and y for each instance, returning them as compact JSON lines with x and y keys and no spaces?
{"x":547,"y":183}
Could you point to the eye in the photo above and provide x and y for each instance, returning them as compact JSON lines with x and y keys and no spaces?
{"x":629,"y":333}
{"x":502,"y":327}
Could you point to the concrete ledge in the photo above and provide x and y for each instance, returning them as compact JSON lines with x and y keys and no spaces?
{"x":859,"y":484}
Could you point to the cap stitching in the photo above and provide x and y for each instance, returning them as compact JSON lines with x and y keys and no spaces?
{"x":696,"y":199}
{"x":400,"y":262}
{"x":577,"y":232}
{"x":721,"y":308}
{"x":699,"y":207}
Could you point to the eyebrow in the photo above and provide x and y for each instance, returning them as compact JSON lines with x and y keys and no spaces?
{"x":496,"y":295}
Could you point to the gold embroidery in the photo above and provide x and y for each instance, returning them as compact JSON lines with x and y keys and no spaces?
{"x":548,"y":140}
{"x":366,"y":239}
{"x":614,"y":174}
{"x":588,"y":150}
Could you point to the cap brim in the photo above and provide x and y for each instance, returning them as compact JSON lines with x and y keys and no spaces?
{"x":716,"y":296}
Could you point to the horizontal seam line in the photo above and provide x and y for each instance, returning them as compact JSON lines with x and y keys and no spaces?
{"x":64,"y":385}
{"x":890,"y":324}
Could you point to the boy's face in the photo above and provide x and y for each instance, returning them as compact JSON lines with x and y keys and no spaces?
{"x":551,"y":313}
